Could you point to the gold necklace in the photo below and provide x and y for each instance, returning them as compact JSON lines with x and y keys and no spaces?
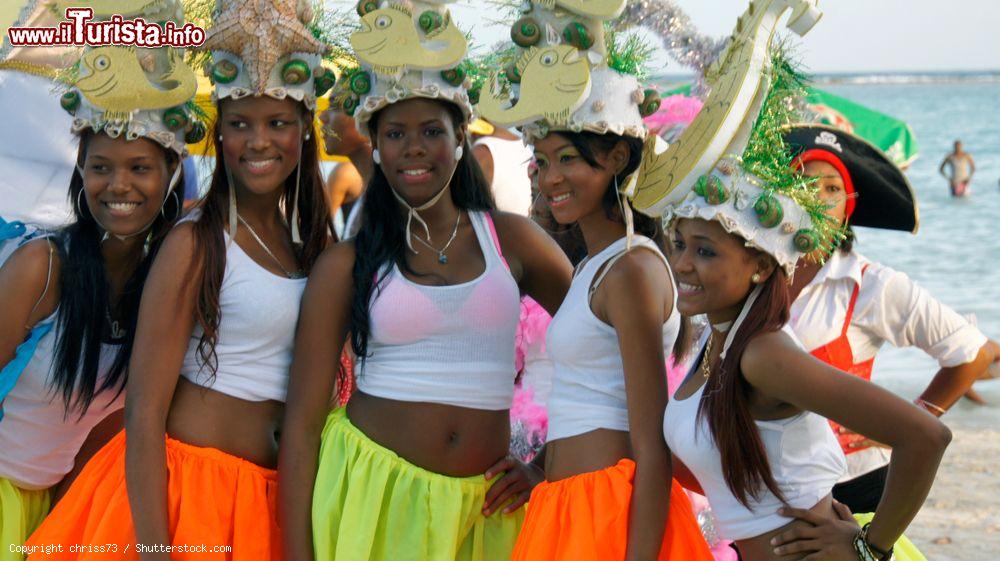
{"x":706,"y":368}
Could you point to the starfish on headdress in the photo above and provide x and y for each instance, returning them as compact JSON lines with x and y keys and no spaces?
{"x":260,"y":32}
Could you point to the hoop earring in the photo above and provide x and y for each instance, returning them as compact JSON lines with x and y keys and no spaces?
{"x":180,"y":207}
{"x":376,"y":157}
{"x":79,"y":203}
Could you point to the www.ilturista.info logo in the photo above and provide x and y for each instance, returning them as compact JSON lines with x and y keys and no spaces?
{"x":79,"y":30}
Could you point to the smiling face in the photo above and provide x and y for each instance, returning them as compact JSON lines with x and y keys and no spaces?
{"x":261,"y":140}
{"x":572,"y":187}
{"x":124,"y":182}
{"x":831,"y":188}
{"x":416,"y":140}
{"x":713,"y":269}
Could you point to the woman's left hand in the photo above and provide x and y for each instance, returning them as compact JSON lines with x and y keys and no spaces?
{"x":866,"y":443}
{"x":515,"y":484}
{"x":828,"y":539}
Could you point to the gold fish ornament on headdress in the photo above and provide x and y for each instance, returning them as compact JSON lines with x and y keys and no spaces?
{"x":555,"y":81}
{"x":113,"y":79}
{"x":389,"y":41}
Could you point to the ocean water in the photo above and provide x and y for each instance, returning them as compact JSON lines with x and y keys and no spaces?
{"x":956,"y":252}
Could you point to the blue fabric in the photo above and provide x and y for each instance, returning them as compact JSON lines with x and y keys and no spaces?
{"x":22,"y":355}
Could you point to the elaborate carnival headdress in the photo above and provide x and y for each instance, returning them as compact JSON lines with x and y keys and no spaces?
{"x":567,"y":76}
{"x":123,"y":90}
{"x":404,"y":49}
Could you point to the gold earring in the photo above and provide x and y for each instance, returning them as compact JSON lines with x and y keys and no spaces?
{"x":755,"y":278}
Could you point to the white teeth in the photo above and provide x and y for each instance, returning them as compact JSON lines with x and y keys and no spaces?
{"x":688,"y":287}
{"x":415,"y":171}
{"x":559,"y":198}
{"x":260,"y":164}
{"x":122,"y":206}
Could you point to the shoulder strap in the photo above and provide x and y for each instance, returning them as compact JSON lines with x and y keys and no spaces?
{"x":488,"y":218}
{"x":854,"y":299}
{"x":642,"y":242}
{"x":48,"y":281}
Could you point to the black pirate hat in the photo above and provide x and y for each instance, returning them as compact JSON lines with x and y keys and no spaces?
{"x":885,"y":198}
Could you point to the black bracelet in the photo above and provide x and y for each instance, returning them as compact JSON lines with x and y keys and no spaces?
{"x":876,"y":552}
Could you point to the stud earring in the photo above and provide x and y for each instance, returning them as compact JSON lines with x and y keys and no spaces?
{"x":755,"y":278}
{"x":376,"y":157}
{"x":220,"y":138}
{"x":459,"y":151}
{"x":308,"y":136}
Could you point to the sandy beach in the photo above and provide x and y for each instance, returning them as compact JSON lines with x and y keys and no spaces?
{"x":961,"y":519}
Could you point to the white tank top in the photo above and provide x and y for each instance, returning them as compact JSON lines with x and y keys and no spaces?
{"x":588,"y":389}
{"x":446,"y":344}
{"x":259,"y":310}
{"x":803,"y":452}
{"x":511,"y":186}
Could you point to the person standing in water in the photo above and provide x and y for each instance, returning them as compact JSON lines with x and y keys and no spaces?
{"x":961,"y":167}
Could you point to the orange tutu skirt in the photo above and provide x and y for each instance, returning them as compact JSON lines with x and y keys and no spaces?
{"x":220,"y":507}
{"x":585,"y":518}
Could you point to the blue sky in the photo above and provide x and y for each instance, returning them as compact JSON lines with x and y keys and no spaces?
{"x":853,"y":36}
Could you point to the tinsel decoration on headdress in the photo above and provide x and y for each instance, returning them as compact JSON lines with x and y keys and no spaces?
{"x":680,"y":37}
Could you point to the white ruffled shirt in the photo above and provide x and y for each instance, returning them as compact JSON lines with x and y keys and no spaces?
{"x":891,"y":308}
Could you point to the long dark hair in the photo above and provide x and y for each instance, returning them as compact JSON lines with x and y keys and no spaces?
{"x":381,"y":239}
{"x":726,"y":403}
{"x":315,"y":227}
{"x":589,"y":145}
{"x":84,"y":295}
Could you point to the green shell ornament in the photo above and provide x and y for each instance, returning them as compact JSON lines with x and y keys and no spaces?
{"x":513,"y":74}
{"x":650,"y":103}
{"x":430,"y":20}
{"x":712,"y":189}
{"x":176,"y":118}
{"x":195,"y":134}
{"x":576,"y":34}
{"x":70,"y":101}
{"x":769,"y":211}
{"x":526,"y":32}
{"x":224,"y":72}
{"x":474,"y":94}
{"x":324,"y":82}
{"x":360,"y":83}
{"x":349,"y":104}
{"x":455,"y":76}
{"x":295,"y":72}
{"x":365,"y":7}
{"x":806,"y":241}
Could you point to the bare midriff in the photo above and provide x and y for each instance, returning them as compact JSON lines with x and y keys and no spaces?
{"x":203,"y":417}
{"x":584,"y":453}
{"x":758,"y":548}
{"x":445,"y":439}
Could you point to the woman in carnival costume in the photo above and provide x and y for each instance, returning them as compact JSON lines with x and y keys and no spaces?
{"x":748,"y":420}
{"x":845,"y":307}
{"x":416,"y":466}
{"x":214,"y":340}
{"x":608,"y":493}
{"x":71,"y":297}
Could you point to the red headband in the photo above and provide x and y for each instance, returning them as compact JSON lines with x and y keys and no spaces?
{"x":817,"y":154}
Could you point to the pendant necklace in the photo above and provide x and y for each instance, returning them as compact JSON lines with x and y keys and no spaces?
{"x":442,"y":258}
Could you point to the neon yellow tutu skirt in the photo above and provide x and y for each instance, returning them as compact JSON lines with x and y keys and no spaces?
{"x":903,"y":550}
{"x":21,"y":511}
{"x":371,"y":505}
